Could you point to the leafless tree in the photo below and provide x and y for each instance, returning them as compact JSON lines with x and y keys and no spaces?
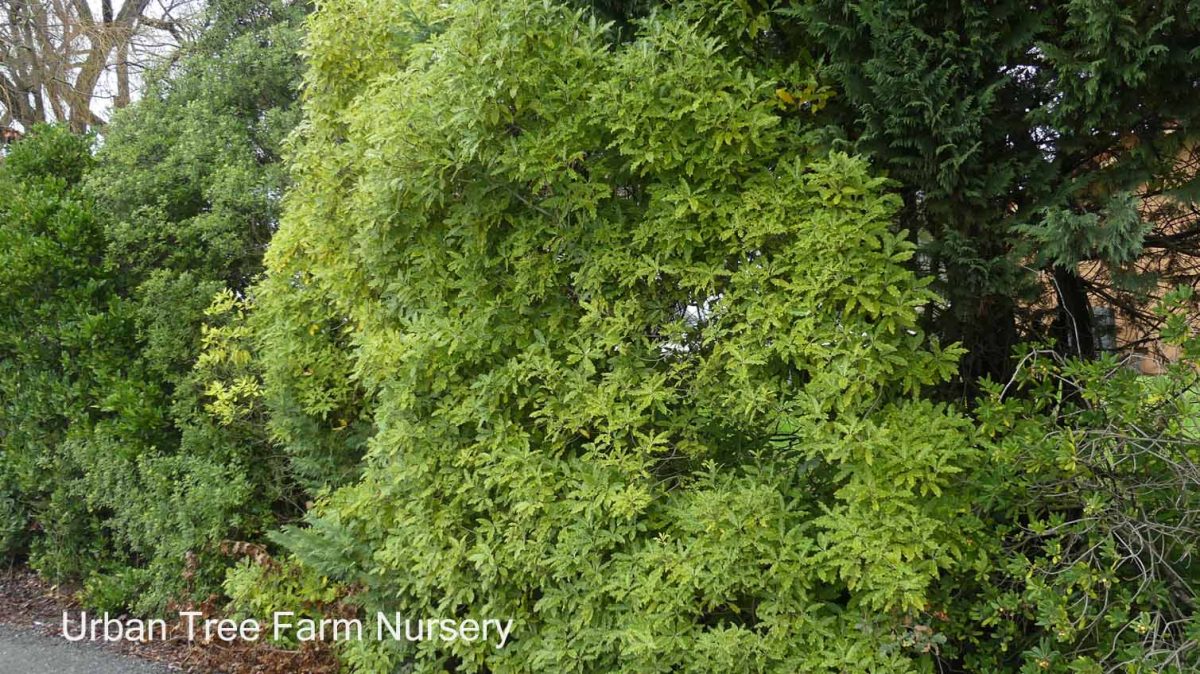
{"x":73,"y":60}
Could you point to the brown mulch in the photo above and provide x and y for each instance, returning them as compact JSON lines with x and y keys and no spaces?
{"x":28,"y":602}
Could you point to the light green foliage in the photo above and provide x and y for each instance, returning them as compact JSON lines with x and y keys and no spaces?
{"x":261,"y":590}
{"x":640,"y":365}
{"x":226,"y":363}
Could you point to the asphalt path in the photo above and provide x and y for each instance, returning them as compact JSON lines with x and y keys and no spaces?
{"x":25,"y":652}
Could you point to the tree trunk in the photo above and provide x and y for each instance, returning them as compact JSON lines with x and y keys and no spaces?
{"x":122,"y":99}
{"x":987,"y":329}
{"x":1073,"y":326}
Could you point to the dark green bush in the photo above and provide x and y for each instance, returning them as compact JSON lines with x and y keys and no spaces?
{"x":117,"y":472}
{"x":1091,"y":501}
{"x":57,"y":329}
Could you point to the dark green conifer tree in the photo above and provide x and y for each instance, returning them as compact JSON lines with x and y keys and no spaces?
{"x":1026,"y":140}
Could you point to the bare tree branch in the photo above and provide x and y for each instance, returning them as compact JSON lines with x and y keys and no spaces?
{"x":59,"y":61}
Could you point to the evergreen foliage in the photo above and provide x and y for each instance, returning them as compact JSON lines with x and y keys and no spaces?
{"x":641,"y":365}
{"x":1018,"y":134}
{"x":693,"y":336}
{"x":138,"y":481}
{"x":1093,"y":513}
{"x":57,"y":339}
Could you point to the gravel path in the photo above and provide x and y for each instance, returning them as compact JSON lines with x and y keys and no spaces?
{"x":23,"y":652}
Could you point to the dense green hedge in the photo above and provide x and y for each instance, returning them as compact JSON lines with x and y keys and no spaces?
{"x":111,"y":454}
{"x":642,"y":362}
{"x":594,"y":326}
